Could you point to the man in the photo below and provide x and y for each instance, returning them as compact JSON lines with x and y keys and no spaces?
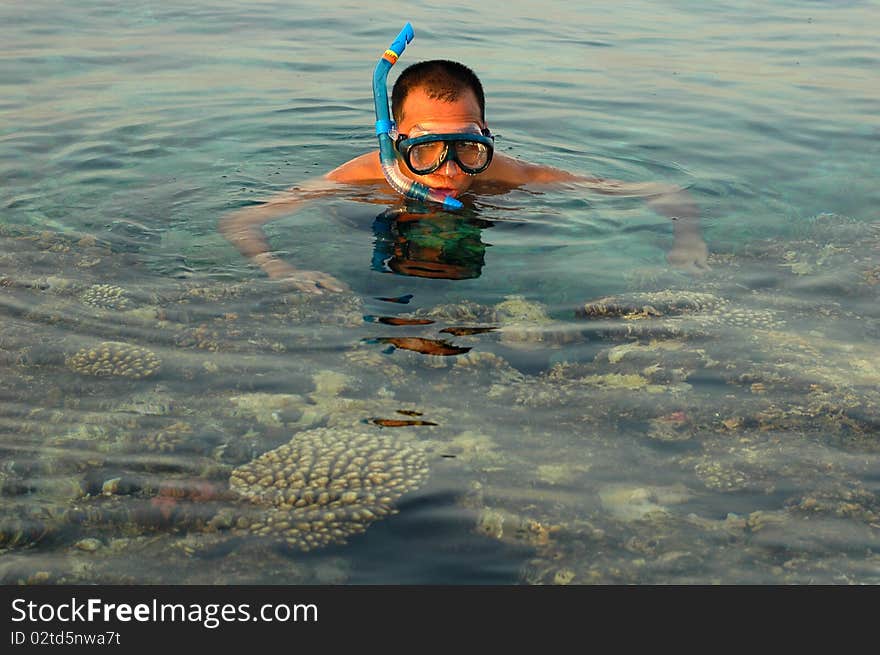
{"x":445,"y":97}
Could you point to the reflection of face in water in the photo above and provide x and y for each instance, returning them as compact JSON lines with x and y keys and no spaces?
{"x":423,"y":242}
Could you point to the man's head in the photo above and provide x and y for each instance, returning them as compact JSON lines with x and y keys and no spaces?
{"x":444,"y":95}
{"x":442,"y":80}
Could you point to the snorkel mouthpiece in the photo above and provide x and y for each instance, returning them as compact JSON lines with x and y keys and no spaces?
{"x":384,"y":125}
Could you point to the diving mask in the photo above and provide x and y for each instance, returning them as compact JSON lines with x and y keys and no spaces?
{"x":427,"y":147}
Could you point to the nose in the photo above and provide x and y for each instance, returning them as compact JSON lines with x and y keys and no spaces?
{"x":451,"y":168}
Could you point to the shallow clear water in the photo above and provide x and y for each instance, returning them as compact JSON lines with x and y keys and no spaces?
{"x":722,"y":429}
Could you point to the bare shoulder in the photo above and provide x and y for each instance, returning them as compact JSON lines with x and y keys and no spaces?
{"x":517,"y":172}
{"x":365,"y":168}
{"x":508,"y":170}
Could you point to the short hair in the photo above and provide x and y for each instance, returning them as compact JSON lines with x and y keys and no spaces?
{"x":442,"y":79}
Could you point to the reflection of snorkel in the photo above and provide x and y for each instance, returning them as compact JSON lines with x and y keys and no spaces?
{"x":398,"y":181}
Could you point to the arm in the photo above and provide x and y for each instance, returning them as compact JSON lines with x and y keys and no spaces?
{"x":243,"y":229}
{"x":689,"y":251}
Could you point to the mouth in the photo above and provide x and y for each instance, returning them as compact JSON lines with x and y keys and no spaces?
{"x":447,"y":191}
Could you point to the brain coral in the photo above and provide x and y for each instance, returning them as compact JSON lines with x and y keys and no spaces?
{"x":325,"y":485}
{"x":105,"y":296}
{"x":116,"y":359}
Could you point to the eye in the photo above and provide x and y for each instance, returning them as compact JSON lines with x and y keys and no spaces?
{"x":471,"y":154}
{"x":425,"y":154}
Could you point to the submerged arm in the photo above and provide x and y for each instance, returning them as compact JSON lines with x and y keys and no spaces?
{"x":689,"y":251}
{"x":243,"y":228}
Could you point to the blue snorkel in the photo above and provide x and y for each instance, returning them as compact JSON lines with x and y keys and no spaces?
{"x":384,"y":125}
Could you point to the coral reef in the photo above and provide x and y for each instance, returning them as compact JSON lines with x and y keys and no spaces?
{"x":326,"y":485}
{"x":168,"y":439}
{"x":721,"y":432}
{"x":671,"y":314}
{"x":113,"y":358}
{"x":105,"y":296}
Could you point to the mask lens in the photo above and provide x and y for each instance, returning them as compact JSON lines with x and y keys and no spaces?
{"x":471,"y":154}
{"x":425,"y":156}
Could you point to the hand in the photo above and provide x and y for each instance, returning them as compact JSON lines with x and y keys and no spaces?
{"x":689,"y":255}
{"x":312,"y":282}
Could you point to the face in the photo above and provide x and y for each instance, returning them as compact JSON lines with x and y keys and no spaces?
{"x":418,"y":108}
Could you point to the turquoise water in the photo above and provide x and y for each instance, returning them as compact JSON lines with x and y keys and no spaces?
{"x":734,"y":443}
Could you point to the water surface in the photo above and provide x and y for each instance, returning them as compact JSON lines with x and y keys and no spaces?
{"x":718,"y":428}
